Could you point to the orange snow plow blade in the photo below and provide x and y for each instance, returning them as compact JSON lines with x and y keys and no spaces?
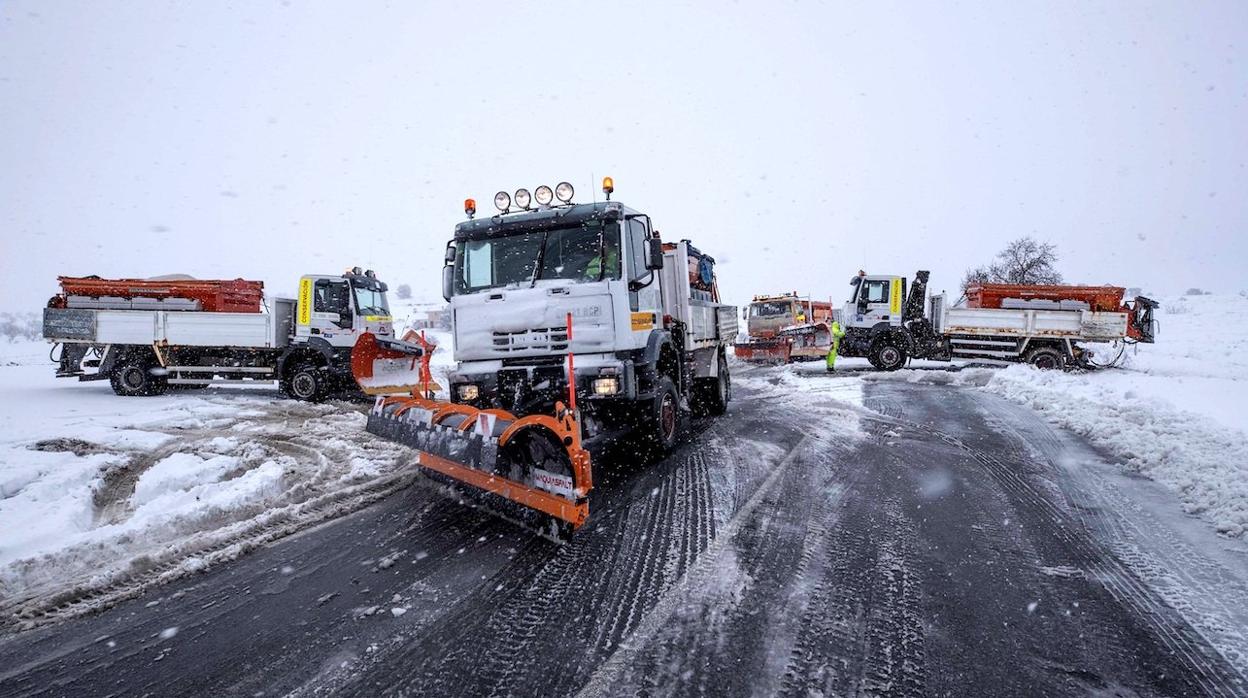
{"x":774,"y":350}
{"x":384,"y":366}
{"x":530,"y":469}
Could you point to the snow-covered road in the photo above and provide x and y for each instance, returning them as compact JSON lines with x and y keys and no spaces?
{"x":832,"y":535}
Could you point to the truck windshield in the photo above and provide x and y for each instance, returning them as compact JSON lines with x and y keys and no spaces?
{"x":371,"y":302}
{"x":770,"y":309}
{"x":574,"y":253}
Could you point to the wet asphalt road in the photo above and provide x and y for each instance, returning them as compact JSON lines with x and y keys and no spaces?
{"x":944,"y":550}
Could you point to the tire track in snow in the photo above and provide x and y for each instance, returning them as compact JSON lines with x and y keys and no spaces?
{"x":689,"y":587}
{"x":1215,"y":676}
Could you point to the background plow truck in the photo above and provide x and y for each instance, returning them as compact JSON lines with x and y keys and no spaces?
{"x":144,"y":335}
{"x":573,"y":324}
{"x":1047,"y":326}
{"x":785,"y":328}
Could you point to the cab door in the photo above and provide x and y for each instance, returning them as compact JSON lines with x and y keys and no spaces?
{"x":645,"y":300}
{"x":878,"y":301}
{"x":326,"y":310}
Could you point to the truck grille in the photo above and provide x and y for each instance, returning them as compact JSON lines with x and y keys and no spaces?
{"x":537,"y":339}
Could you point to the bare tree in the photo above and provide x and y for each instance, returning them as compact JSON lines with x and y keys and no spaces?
{"x":978,"y":275}
{"x":1023,"y":261}
{"x":403,"y":291}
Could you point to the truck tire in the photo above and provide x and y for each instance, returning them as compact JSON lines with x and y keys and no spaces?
{"x":306,"y":381}
{"x":714,"y":393}
{"x":662,"y":422}
{"x":887,"y":355}
{"x":133,"y":376}
{"x":1046,"y":359}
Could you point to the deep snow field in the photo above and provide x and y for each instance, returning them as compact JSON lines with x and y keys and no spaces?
{"x":98,"y":491}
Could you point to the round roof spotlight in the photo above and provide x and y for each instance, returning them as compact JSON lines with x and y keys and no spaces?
{"x":563,"y":192}
{"x":502,"y":201}
{"x":544,"y":195}
{"x":523,"y":198}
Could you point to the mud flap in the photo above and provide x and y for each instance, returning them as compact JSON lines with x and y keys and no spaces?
{"x":535,"y":466}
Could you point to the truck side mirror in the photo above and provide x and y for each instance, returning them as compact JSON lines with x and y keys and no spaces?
{"x":448,"y":282}
{"x":654,"y":256}
{"x":449,"y":257}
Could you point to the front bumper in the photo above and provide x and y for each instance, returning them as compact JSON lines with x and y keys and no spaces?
{"x":535,"y":388}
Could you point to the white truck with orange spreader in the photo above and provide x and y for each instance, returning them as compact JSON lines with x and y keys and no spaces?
{"x":1049,"y":326}
{"x":145,"y":335}
{"x":574,"y":325}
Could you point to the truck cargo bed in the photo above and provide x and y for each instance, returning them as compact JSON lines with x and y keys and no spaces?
{"x":145,"y":327}
{"x":1025,"y":322}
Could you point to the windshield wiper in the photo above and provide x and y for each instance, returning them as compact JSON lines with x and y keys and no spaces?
{"x":541,"y":259}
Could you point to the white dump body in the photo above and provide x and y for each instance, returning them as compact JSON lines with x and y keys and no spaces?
{"x":176,"y":328}
{"x":1027,"y":322}
{"x":710,"y":323}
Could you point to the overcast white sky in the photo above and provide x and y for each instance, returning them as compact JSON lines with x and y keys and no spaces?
{"x":795,"y":142}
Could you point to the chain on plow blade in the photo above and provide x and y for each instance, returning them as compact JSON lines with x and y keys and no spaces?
{"x":533,"y":465}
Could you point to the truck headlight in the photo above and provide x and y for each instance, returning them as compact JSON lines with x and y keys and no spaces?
{"x":606,"y":386}
{"x":468,"y":392}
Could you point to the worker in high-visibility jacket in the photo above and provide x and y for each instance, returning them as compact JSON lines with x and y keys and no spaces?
{"x":594,"y":270}
{"x":837,"y":333}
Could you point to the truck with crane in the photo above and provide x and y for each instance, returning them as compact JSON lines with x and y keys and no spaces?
{"x":147,"y":335}
{"x":574,"y":325}
{"x":889,"y":320}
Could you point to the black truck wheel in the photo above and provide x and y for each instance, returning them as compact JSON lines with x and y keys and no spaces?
{"x":1046,"y":358}
{"x":662,"y":424}
{"x":133,"y":376}
{"x":887,"y":355}
{"x":306,"y":381}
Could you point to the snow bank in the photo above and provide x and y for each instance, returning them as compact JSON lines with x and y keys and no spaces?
{"x":1174,"y":411}
{"x":97,"y":489}
{"x":1204,"y":462}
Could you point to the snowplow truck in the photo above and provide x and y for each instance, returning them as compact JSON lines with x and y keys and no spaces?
{"x":785,"y":328}
{"x":146,"y":335}
{"x":1044,"y":325}
{"x":574,"y":324}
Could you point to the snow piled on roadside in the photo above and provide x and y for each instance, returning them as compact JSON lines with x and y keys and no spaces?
{"x":1174,"y":412}
{"x":1204,"y":462}
{"x":97,"y":489}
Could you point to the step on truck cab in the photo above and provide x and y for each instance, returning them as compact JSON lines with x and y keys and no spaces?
{"x":649,"y":332}
{"x":145,"y":335}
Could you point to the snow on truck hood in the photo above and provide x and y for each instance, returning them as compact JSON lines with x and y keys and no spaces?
{"x":523,"y":322}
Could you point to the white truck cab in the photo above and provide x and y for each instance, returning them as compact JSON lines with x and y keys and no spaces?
{"x":648,"y":329}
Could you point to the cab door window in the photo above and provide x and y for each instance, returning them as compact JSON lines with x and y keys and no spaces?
{"x":876,"y":291}
{"x":636,"y":259}
{"x":333,"y":297}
